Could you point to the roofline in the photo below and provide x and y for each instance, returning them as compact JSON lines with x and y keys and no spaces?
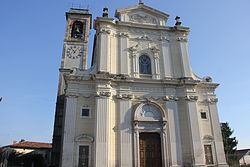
{"x":17,"y":146}
{"x":121,"y":10}
{"x":11,"y":146}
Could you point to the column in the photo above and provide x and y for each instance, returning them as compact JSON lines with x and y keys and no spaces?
{"x":124,"y":67}
{"x":136,"y":145}
{"x":166,"y":156}
{"x":125,"y":133}
{"x":185,"y":57}
{"x":166,"y":59}
{"x":69,"y":132}
{"x":174,"y":134}
{"x":198,"y":151}
{"x":218,"y":141}
{"x":104,"y":50}
{"x":102,"y":131}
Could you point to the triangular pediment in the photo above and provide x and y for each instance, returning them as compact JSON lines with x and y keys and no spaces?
{"x":141,"y":14}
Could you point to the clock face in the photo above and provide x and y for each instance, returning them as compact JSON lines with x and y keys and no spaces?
{"x":74,"y":52}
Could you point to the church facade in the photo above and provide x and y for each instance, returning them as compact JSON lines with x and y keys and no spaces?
{"x":139,"y":104}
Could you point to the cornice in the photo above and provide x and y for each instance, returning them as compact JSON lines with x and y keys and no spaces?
{"x":120,"y":78}
{"x":208,"y":85}
{"x":151,"y":26}
{"x":112,"y":22}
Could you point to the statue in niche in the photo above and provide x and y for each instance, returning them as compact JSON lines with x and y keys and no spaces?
{"x":77,"y":30}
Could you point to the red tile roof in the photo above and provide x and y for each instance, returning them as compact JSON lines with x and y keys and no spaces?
{"x":29,"y":144}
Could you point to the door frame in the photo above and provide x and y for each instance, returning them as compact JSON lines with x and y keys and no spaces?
{"x":158,"y":140}
{"x":144,"y":125}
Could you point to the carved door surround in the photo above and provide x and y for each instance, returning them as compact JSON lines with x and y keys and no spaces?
{"x":149,"y":117}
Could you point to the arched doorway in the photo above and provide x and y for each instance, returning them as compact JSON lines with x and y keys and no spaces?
{"x":150,"y":140}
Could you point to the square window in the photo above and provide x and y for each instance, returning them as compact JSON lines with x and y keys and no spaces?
{"x":85,"y":112}
{"x":203,"y":115}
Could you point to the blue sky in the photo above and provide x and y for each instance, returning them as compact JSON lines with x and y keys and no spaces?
{"x":31,"y":40}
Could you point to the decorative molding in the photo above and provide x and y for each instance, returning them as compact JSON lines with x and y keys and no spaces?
{"x":190,"y":90}
{"x":170,"y":98}
{"x":212,"y":100}
{"x":208,"y":137}
{"x":133,"y":48}
{"x":164,"y":39}
{"x":156,"y":56}
{"x":85,"y":95}
{"x":79,"y":77}
{"x":105,"y":75}
{"x":142,"y":19}
{"x":103,"y":94}
{"x":104,"y":31}
{"x":148,"y":99}
{"x":154,"y":49}
{"x":209,"y":100}
{"x":71,"y":95}
{"x":122,"y":34}
{"x":144,"y":37}
{"x":84,"y":138}
{"x":182,"y":39}
{"x":207,"y":79}
{"x":146,"y":114}
{"x":191,"y":98}
{"x":124,"y":96}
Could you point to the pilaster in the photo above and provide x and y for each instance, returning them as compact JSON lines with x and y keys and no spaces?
{"x":69,"y":132}
{"x":125,"y":133}
{"x":164,"y":141}
{"x":167,"y":62}
{"x":174,"y":134}
{"x":196,"y":142}
{"x":102,"y":130}
{"x":218,"y":141}
{"x":184,"y":56}
{"x":104,"y":50}
{"x":124,"y":67}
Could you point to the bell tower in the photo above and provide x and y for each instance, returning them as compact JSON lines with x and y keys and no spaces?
{"x":74,"y":56}
{"x":75,"y":49}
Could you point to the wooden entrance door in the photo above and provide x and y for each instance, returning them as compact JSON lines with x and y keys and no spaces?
{"x":150,"y":150}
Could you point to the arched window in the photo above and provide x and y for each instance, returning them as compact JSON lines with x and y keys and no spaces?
{"x":145,"y":64}
{"x":77,"y":30}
